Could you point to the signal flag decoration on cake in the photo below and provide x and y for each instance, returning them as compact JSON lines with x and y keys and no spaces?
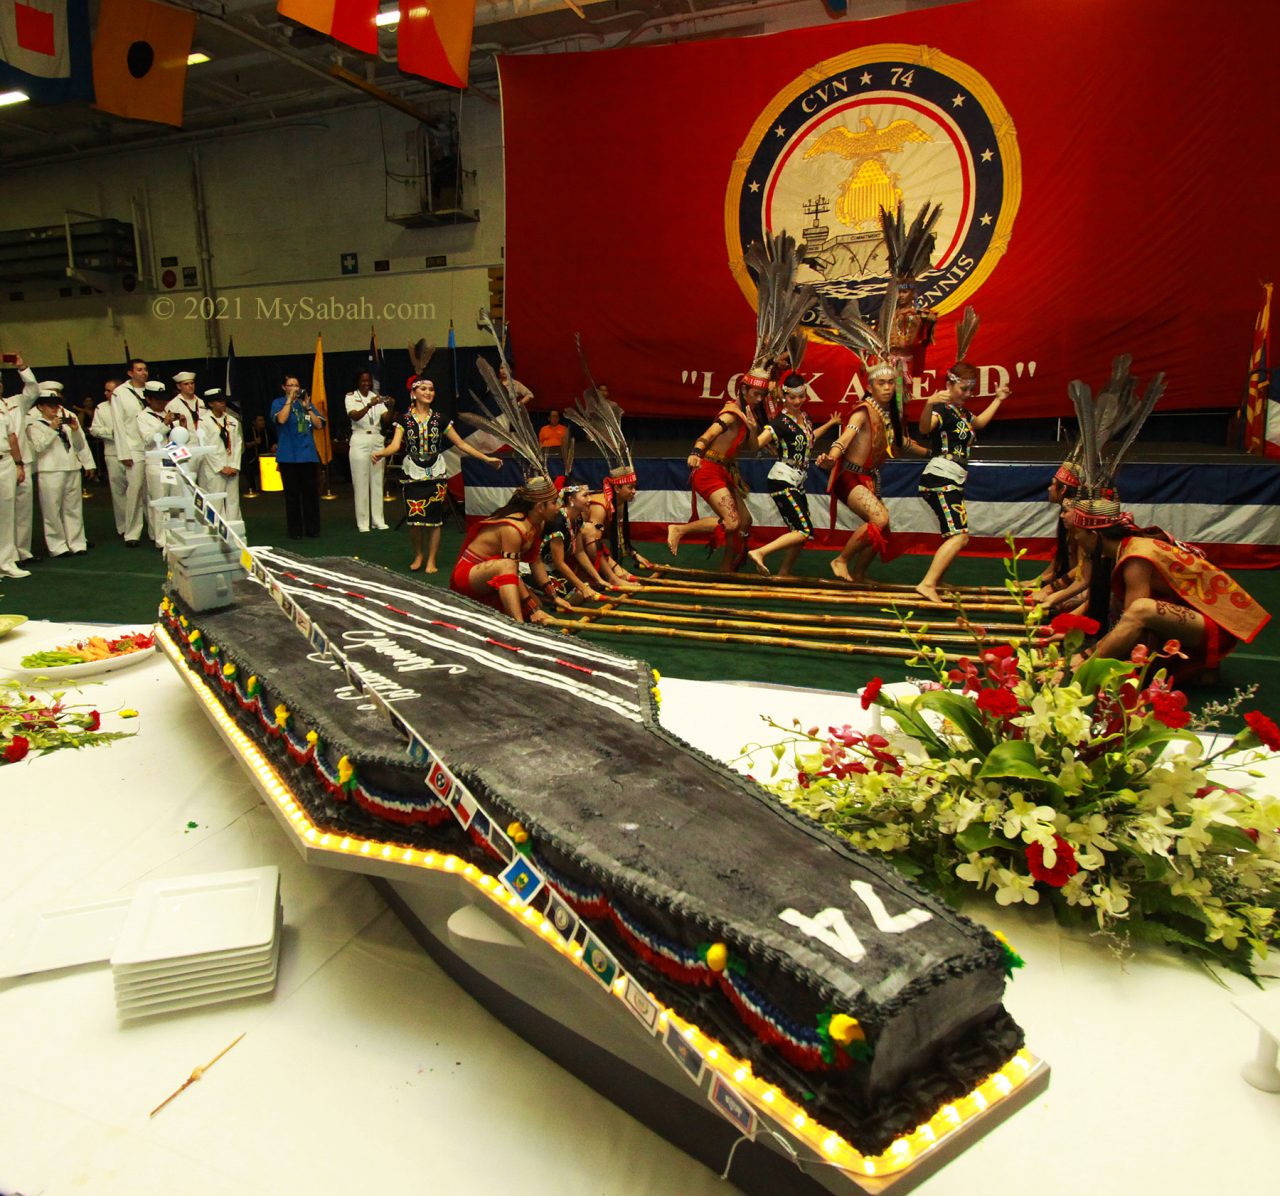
{"x":434,"y":39}
{"x":353,"y":22}
{"x":44,"y":50}
{"x":140,"y":56}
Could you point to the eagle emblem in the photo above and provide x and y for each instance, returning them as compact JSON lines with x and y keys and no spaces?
{"x":871,"y":185}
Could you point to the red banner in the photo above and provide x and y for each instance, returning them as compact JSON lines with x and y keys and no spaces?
{"x":1104,"y":169}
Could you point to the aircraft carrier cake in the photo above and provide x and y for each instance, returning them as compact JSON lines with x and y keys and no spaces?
{"x":542,"y":762}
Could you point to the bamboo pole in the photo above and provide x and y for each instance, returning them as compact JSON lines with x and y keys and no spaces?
{"x":751,"y":625}
{"x":740,"y":583}
{"x":692,"y":590}
{"x":850,"y":621}
{"x":833,"y":583}
{"x":730,"y":638}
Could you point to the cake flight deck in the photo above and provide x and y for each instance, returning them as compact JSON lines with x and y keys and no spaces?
{"x":864,"y":1008}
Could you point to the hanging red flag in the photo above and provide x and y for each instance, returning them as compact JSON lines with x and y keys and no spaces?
{"x":434,"y":39}
{"x":349,"y":21}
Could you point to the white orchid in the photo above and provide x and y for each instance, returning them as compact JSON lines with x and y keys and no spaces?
{"x":1012,"y":887}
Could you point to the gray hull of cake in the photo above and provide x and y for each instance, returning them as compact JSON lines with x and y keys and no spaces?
{"x":683,"y":847}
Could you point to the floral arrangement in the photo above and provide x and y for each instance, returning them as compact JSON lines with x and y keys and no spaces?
{"x":32,"y":723}
{"x":1027,"y":774}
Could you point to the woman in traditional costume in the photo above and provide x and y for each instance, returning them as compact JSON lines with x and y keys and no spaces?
{"x":422,"y":432}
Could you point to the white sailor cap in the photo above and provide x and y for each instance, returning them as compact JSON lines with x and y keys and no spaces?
{"x":50,"y":390}
{"x":155,"y":388}
{"x":185,"y":376}
{"x":213,"y":393}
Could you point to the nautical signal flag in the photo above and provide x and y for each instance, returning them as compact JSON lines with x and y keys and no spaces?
{"x":434,"y":39}
{"x":44,"y":49}
{"x":352,"y":22}
{"x":140,"y":56}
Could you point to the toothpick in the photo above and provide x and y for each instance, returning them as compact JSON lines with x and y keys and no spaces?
{"x":194,"y":1076}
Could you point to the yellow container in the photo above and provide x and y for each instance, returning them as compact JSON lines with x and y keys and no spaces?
{"x":270,"y":472}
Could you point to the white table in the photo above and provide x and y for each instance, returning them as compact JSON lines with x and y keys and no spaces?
{"x":369,"y":1070}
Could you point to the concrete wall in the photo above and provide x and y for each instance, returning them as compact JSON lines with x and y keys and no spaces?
{"x":284,"y":205}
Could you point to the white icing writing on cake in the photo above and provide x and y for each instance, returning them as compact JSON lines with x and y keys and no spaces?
{"x":406,"y":661}
{"x":389,"y":689}
{"x":830,"y":926}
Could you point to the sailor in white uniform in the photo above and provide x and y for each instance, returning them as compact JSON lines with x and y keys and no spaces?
{"x":368,"y":412}
{"x":13,"y":469}
{"x":128,"y":400}
{"x":104,"y":428}
{"x":59,"y":452}
{"x":189,"y":409}
{"x":17,"y":408}
{"x":220,"y":432}
{"x":153,"y":424}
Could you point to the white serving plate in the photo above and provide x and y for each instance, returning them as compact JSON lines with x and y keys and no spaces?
{"x":178,"y":1004}
{"x":14,"y":649}
{"x":61,"y":938}
{"x":198,"y":986}
{"x":189,"y":916}
{"x":191,"y":963}
{"x":186,"y":972}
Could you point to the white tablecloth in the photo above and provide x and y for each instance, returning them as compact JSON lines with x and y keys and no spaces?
{"x":369,"y":1070}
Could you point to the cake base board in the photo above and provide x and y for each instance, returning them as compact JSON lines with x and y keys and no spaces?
{"x":508,"y":970}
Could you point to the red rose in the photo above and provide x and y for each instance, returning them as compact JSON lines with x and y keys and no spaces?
{"x":95,"y":721}
{"x":1264,"y":729}
{"x":1170,"y":708}
{"x":1064,"y":868}
{"x":999,"y":703}
{"x":18,"y":747}
{"x":1068,"y":622}
{"x":871,"y":692}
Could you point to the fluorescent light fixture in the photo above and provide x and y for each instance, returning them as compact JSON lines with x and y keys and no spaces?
{"x":388,"y":18}
{"x":13,"y":97}
{"x":196,"y":57}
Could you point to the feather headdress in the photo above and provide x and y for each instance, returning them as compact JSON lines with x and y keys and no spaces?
{"x":420,"y":353}
{"x":1109,"y":426}
{"x":511,"y":423}
{"x":601,"y":421}
{"x":780,"y":304}
{"x":966,"y":330}
{"x":910,"y":249}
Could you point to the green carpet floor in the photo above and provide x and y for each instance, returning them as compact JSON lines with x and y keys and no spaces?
{"x":115,"y":584}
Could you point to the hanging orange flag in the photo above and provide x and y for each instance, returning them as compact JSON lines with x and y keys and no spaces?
{"x":348,"y":21}
{"x":434,"y":39}
{"x":324,"y":446}
{"x":140,"y":56}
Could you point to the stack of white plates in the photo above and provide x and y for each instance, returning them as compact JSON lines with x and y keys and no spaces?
{"x":198,"y":940}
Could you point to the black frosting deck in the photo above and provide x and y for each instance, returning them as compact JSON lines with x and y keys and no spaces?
{"x":562,"y":736}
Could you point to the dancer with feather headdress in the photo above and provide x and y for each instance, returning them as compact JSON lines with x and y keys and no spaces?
{"x":792,"y":435}
{"x":606,"y":530}
{"x":714,"y":477}
{"x":1064,"y":584}
{"x":952,"y":429}
{"x":1146,"y":587}
{"x":868,"y":438}
{"x":421,"y":432}
{"x":561,"y":556}
{"x":488,"y":565}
